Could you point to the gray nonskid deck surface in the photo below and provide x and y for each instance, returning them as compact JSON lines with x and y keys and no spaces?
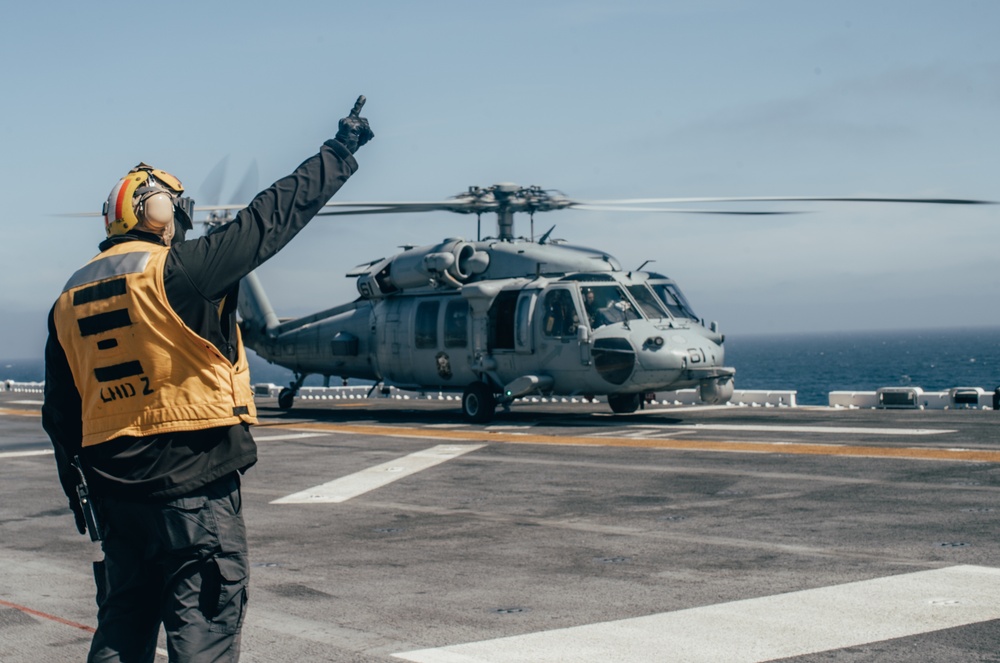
{"x":560,"y":532}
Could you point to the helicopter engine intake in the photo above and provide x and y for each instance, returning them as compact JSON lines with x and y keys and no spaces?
{"x":448,"y":264}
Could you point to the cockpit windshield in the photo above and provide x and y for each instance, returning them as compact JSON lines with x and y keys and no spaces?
{"x":648,"y":303}
{"x":607,"y":304}
{"x":674,"y":300}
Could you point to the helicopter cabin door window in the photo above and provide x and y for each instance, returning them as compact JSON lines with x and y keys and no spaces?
{"x":426,"y":327}
{"x":560,"y":317}
{"x":456,"y":324}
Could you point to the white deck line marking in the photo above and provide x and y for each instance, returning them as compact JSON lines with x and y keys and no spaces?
{"x":757,"y":630}
{"x":343,"y":489}
{"x":801,"y":429}
{"x":288,"y":436}
{"x":22,"y":454}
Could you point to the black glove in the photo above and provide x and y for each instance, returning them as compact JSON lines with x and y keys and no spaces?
{"x":70,"y":479}
{"x":81,"y":522}
{"x":354,"y":130}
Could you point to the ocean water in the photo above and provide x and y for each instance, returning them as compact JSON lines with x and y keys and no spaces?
{"x":816,"y":364}
{"x":810,"y":364}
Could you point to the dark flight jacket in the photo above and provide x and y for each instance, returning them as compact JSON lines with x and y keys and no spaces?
{"x":201,"y":281}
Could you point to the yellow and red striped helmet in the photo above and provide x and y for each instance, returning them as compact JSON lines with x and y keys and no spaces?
{"x":119,"y":210}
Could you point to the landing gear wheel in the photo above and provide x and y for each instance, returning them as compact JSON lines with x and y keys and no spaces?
{"x":623,"y":403}
{"x":286,"y":397}
{"x":479,"y":403}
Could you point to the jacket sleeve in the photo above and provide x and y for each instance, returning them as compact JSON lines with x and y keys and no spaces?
{"x":61,"y":411}
{"x":216,"y":262}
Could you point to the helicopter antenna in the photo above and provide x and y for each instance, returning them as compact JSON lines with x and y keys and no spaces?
{"x":639,"y":268}
{"x":544,"y":238}
{"x":479,"y":226}
{"x":532,"y":216}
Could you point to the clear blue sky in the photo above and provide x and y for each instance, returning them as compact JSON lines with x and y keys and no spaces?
{"x":596,"y":99}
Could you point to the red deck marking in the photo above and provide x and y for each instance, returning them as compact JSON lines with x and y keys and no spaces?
{"x":45,"y":615}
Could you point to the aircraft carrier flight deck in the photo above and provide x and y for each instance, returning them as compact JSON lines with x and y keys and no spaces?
{"x":386,"y":530}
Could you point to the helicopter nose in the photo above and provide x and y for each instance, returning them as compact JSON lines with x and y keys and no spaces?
{"x":679,"y":352}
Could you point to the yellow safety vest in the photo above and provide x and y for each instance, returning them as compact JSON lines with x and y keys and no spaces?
{"x":139,"y":369}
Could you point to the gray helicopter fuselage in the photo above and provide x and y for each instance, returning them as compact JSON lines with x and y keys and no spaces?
{"x":521,"y":316}
{"x":517,"y":327}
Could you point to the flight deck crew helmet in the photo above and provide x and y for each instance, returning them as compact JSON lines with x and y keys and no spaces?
{"x":145,"y":194}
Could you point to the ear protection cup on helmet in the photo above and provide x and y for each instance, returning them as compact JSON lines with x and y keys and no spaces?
{"x":156,"y":209}
{"x":133,"y":197}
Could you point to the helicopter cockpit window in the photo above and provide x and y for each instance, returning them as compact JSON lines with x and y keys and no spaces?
{"x":647,"y":301}
{"x":607,"y":304}
{"x":561,"y":317}
{"x":675,"y":302}
{"x":425,"y":329}
{"x":456,"y":324}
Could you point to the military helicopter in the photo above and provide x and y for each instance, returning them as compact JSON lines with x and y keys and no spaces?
{"x":506,"y":316}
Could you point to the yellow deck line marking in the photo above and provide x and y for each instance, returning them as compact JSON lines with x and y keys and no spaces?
{"x":803,"y":449}
{"x":799,"y":449}
{"x":23,"y":413}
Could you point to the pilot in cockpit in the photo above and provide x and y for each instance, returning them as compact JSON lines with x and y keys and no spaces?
{"x":560,"y":314}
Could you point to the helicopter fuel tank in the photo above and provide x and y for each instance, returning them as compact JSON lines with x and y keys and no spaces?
{"x":450,"y":263}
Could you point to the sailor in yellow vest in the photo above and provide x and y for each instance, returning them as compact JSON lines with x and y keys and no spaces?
{"x":148,"y":403}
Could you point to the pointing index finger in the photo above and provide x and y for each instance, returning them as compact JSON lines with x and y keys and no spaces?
{"x":356,"y":111}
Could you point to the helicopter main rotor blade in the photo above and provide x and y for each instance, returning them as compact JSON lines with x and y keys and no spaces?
{"x":459,"y":206}
{"x":247,"y":188}
{"x":834,"y":199}
{"x":390,"y":210}
{"x":501,"y":198}
{"x":211,"y":189}
{"x":365,"y":207}
{"x":678,"y":210}
{"x":417,"y":204}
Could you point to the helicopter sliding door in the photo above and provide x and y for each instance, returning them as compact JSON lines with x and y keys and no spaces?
{"x":440,"y":343}
{"x":393,"y":325}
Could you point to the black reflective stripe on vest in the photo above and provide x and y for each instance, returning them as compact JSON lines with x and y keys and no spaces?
{"x":103,"y":290}
{"x":107,"y":343}
{"x":241,"y":409}
{"x":102,"y":322}
{"x":118,"y":371}
{"x":105,"y":268}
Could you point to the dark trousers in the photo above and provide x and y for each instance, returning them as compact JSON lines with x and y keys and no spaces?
{"x":182,"y":564}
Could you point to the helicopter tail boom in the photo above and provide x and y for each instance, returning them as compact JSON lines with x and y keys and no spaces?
{"x":254,"y":307}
